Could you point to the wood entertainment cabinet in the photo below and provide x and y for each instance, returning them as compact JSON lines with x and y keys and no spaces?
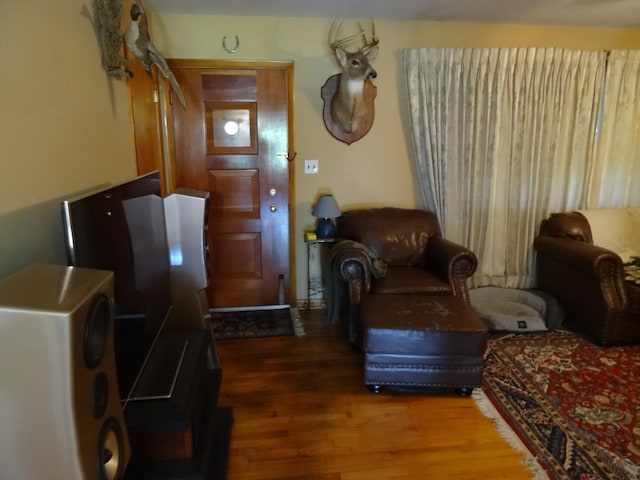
{"x":185,"y":436}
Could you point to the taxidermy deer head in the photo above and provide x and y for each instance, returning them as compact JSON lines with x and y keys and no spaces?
{"x":350,"y":94}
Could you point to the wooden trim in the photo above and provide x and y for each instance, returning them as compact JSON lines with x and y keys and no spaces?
{"x":228,"y":64}
{"x":293,"y":237}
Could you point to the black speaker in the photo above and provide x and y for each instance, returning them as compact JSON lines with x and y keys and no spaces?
{"x":60,"y":411}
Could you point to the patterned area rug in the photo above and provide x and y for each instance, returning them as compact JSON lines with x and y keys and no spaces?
{"x":258,"y":322}
{"x":572,"y":404}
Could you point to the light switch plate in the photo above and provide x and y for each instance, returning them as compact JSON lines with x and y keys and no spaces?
{"x":310,"y":167}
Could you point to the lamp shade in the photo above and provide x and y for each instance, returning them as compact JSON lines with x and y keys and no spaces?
{"x":326,"y":207}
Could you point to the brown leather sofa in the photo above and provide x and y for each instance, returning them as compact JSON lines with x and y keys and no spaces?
{"x":407,"y":244}
{"x":588,"y":280}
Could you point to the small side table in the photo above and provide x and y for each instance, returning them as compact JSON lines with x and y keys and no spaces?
{"x":311,"y":240}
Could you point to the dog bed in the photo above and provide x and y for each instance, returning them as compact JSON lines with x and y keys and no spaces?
{"x":515,"y":310}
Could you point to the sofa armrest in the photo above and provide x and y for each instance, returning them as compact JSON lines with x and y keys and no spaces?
{"x":452,"y":262}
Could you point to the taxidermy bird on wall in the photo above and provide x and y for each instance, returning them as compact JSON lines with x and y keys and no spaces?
{"x":139,"y":43}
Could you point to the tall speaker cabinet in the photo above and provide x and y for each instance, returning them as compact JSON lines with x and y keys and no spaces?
{"x":60,"y":412}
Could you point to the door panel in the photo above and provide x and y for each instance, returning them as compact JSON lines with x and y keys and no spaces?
{"x":233,"y":141}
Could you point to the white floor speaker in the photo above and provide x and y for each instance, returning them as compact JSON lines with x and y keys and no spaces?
{"x":186,"y":219}
{"x":60,"y":413}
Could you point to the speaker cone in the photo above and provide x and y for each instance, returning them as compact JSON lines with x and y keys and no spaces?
{"x":110,"y":454}
{"x":96,"y":330}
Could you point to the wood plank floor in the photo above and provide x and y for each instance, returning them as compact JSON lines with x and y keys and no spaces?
{"x":301,"y":412}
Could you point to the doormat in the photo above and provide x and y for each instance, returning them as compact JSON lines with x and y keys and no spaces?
{"x":256,"y":322}
{"x":573,"y":405}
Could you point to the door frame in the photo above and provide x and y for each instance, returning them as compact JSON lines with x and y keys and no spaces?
{"x":163,"y":156}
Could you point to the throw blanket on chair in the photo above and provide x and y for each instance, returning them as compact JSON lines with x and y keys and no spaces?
{"x":335,"y":284}
{"x":616,"y":229}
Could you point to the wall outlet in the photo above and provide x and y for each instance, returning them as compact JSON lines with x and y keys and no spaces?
{"x":310,"y":166}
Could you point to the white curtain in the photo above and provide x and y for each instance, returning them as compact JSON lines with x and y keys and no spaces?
{"x":615,"y":181}
{"x":501,"y":138}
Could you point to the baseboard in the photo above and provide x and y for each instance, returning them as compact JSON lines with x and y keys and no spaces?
{"x":315,"y":304}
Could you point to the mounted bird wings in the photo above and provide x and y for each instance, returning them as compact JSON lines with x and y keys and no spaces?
{"x":138,"y":42}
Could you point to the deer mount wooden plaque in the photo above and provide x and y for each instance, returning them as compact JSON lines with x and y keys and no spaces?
{"x":337,"y":130}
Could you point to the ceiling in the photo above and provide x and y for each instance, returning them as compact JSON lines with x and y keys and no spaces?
{"x":580,"y":13}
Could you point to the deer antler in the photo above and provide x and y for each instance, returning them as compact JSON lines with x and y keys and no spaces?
{"x":336,"y":42}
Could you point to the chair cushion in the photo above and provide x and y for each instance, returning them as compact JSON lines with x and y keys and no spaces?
{"x":410,"y":280}
{"x":633,"y":291}
{"x":421,"y":325}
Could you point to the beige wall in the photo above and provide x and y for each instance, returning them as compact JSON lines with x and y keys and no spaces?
{"x":376,"y":170}
{"x":64,"y":126}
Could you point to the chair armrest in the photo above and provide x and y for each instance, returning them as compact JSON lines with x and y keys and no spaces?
{"x":350,"y":277}
{"x":588,"y":280}
{"x":351,"y":265}
{"x":452,"y":262}
{"x":585,"y":258}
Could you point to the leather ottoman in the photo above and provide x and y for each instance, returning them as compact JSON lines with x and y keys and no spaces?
{"x":421,"y":341}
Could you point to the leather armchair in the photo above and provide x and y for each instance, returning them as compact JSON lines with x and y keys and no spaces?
{"x":409,"y":245}
{"x":588,"y":280}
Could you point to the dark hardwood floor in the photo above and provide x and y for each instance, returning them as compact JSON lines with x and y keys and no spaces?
{"x":302,"y":412}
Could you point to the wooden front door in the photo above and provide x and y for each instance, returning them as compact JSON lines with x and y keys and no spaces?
{"x":233,"y":141}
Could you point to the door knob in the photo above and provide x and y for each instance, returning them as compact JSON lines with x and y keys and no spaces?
{"x":273,"y":208}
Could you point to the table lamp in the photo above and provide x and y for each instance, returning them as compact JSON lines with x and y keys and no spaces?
{"x":326,"y":209}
